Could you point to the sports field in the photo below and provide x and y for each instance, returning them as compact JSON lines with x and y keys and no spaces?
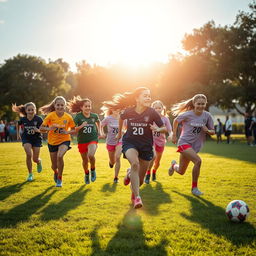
{"x":36,"y":218}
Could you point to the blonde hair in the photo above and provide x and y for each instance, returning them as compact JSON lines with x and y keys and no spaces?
{"x":164,"y":112}
{"x":50,"y":107}
{"x":186,"y":105}
{"x":122,"y":101}
{"x":21,"y":109}
{"x":75,"y":105}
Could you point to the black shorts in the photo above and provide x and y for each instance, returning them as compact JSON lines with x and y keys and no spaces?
{"x":227,"y":133}
{"x":55,"y":148}
{"x":146,"y":155}
{"x":34,"y":143}
{"x":248,"y":132}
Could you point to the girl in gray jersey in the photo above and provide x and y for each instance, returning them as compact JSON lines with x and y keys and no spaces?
{"x":196,"y":122}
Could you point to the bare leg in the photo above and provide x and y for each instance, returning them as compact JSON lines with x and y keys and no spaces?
{"x":60,"y":155}
{"x":118,"y":153}
{"x":29,"y":154}
{"x":85,"y":160}
{"x":36,"y":152}
{"x":91,"y":154}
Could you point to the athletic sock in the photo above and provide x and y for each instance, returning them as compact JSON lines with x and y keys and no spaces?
{"x":86,"y":171}
{"x":93,"y":169}
{"x":60,"y":177}
{"x":194,"y":184}
{"x":154,"y":171}
{"x":148,"y":172}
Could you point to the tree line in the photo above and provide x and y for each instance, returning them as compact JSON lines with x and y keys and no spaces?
{"x":220,"y":61}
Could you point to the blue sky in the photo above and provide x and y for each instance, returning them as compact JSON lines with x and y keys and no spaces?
{"x":106,"y":31}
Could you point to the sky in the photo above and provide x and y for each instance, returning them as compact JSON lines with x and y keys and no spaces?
{"x":106,"y":32}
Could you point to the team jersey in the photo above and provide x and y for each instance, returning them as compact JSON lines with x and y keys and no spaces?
{"x":89,"y":132}
{"x":192,"y":132}
{"x":159,"y":138}
{"x":29,"y":126}
{"x":65,"y":122}
{"x":138,"y":131}
{"x":112,"y":126}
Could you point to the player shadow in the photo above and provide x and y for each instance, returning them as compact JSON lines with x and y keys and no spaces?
{"x":56,"y":211}
{"x":109,"y":187}
{"x":213,"y":218}
{"x":7,"y":191}
{"x":129,"y":239}
{"x":22,"y":212}
{"x":153,"y":197}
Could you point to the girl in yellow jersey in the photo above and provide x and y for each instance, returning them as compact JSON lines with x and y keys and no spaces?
{"x":59,"y":125}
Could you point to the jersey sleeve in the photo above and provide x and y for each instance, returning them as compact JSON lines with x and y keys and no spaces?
{"x":104,"y":122}
{"x":210,"y":123}
{"x":77,"y":120}
{"x":123,"y":114}
{"x":71,"y":122}
{"x":181,"y":117}
{"x":168,"y":124}
{"x":157,"y":118}
{"x":47,"y":119}
{"x":20,"y":122}
{"x":97,"y":119}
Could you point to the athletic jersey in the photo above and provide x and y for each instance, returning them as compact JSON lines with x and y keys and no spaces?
{"x":192,"y":132}
{"x":138,"y":131}
{"x":89,"y":132}
{"x":29,"y":126}
{"x":112,"y":126}
{"x":159,"y":138}
{"x":65,"y":122}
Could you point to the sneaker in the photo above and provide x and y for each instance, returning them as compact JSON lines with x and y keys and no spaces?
{"x":127,"y":178}
{"x":115,"y":180}
{"x":55,"y":177}
{"x":110,"y":165}
{"x":30,"y":177}
{"x":59,"y":183}
{"x":137,"y":202}
{"x":196,"y":192}
{"x":147,"y":179}
{"x":153,"y":176}
{"x":171,"y":169}
{"x":132,"y":198}
{"x":93,"y":175}
{"x":87,"y":178}
{"x":39,"y":167}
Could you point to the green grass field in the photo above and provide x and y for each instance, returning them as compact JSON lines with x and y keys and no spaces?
{"x":37,"y":218}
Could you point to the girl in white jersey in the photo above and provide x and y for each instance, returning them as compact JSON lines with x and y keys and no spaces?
{"x":159,"y":140}
{"x":196,"y":123}
{"x":114,"y":146}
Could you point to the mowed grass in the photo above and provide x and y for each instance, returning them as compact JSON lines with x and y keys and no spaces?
{"x":36,"y":218}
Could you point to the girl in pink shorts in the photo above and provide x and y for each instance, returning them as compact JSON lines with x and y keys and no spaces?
{"x":114,"y":146}
{"x":159,"y":140}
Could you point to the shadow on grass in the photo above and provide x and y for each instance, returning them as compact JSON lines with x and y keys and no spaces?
{"x":23,"y":211}
{"x":129,"y":239}
{"x":109,"y":187}
{"x":153,"y":197}
{"x":7,"y":191}
{"x":58,"y":210}
{"x":213,"y":218}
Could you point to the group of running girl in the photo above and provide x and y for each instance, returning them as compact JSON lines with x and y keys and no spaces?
{"x":131,"y":125}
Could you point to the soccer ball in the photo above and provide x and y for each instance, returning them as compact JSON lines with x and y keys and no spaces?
{"x":237,"y":211}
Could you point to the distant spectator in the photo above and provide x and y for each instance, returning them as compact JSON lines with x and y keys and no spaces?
{"x":248,"y":119}
{"x":219,"y":129}
{"x":253,"y":128}
{"x":228,"y":129}
{"x":12,"y":132}
{"x":2,"y":134}
{"x":6,"y":131}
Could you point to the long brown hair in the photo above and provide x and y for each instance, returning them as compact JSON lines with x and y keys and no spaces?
{"x":75,"y":105}
{"x":50,"y":107}
{"x":186,"y":105}
{"x":21,"y":109}
{"x":122,"y":101}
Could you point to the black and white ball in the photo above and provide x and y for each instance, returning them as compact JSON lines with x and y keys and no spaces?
{"x":237,"y":211}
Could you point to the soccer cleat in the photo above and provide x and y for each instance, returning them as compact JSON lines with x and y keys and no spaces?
{"x":110,"y":165}
{"x":93,"y":175}
{"x":137,"y":202}
{"x":171,"y":169}
{"x":147,"y":179}
{"x":196,"y":192}
{"x":153,"y":176}
{"x":55,"y":177}
{"x":87,"y":178}
{"x":115,"y":180}
{"x":39,"y":166}
{"x":127,"y":178}
{"x":59,"y":183}
{"x":30,"y":177}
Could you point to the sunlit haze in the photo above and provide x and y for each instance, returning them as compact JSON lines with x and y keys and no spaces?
{"x":106,"y":32}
